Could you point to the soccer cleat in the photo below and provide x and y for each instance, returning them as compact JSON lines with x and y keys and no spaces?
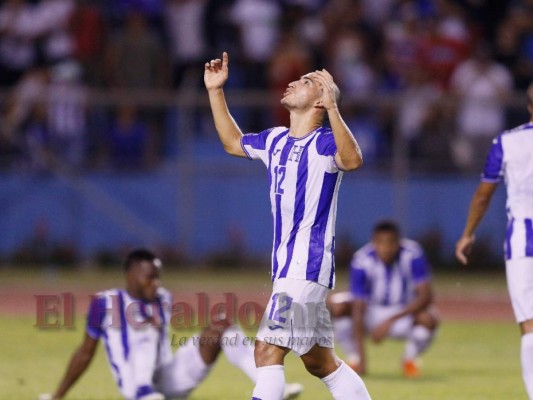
{"x":292,"y":390}
{"x":410,"y":369}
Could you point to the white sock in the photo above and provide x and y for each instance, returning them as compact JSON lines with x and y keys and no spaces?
{"x":345,"y":384}
{"x":270,"y":383}
{"x":526,"y":353}
{"x":418,"y":341}
{"x":240,"y":351}
{"x":344,"y":337}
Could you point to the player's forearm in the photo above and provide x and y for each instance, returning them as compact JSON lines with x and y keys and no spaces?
{"x":358,"y":317}
{"x":419,"y":303}
{"x":228,"y":130}
{"x":478,"y":208}
{"x":347,"y":147}
{"x":77,"y":366}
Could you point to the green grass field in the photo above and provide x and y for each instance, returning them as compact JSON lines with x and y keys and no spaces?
{"x":469,"y":360}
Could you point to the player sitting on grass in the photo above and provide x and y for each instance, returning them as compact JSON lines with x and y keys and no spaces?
{"x":390,"y":295}
{"x":133,"y":325}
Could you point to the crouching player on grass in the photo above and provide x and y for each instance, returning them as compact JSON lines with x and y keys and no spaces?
{"x":133,"y":325}
{"x":391,"y":296}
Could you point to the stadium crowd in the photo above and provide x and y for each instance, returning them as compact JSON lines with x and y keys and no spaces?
{"x":437,"y":73}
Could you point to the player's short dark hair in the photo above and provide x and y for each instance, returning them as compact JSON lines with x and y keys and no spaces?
{"x":138,"y":255}
{"x":529,"y":93}
{"x":387,"y":226}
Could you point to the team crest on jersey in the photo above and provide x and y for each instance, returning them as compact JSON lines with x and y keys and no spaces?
{"x":296,"y":153}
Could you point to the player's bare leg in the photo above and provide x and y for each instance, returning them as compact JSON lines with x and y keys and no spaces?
{"x":418,"y":341}
{"x":342,"y":382}
{"x":526,"y":353}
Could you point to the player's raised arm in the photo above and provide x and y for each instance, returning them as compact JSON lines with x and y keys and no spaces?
{"x":215,"y":76}
{"x":79,"y":362}
{"x":348,"y":157}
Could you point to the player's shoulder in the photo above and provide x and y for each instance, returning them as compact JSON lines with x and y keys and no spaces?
{"x":364,"y":256}
{"x":269,"y":131}
{"x":275,"y":130}
{"x":516,"y":129}
{"x":410,"y":244}
{"x":412,"y":247}
{"x":325,"y":142}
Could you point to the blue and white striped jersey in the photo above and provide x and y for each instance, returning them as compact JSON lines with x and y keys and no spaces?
{"x":388,"y":285}
{"x":134,"y":334}
{"x":304,"y":183}
{"x":511,"y":156}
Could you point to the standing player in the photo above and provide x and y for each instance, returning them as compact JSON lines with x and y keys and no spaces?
{"x":511,"y":156}
{"x":391,"y":295}
{"x":305,"y":164}
{"x":133,"y":324}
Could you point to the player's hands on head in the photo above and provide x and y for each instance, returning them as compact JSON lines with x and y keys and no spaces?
{"x":463,"y":248}
{"x":330,"y":89}
{"x":216,"y":72}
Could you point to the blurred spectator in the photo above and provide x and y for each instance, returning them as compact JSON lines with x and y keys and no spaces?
{"x":135,"y":56}
{"x":67,"y":120}
{"x":88,"y":30}
{"x":308,"y":25}
{"x":117,"y":10}
{"x":258,"y":22}
{"x":28,"y":91}
{"x":376,"y":12}
{"x":416,"y":108}
{"x":433,"y":153}
{"x":440,"y":53}
{"x":48,"y":26}
{"x":402,"y":48}
{"x":186,"y":40}
{"x":220,"y":31}
{"x":350,"y":64}
{"x":481,"y":87}
{"x":128,"y":140}
{"x":17,"y":52}
{"x":35,"y":140}
{"x":520,"y":19}
{"x":290,"y":61}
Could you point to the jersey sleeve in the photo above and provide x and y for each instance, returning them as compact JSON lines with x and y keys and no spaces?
{"x":420,"y":270}
{"x":358,"y":281}
{"x":493,"y":171}
{"x":325,"y":146}
{"x":254,"y":145}
{"x":95,"y":317}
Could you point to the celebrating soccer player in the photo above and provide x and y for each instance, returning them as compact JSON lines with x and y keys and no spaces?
{"x":305,"y":163}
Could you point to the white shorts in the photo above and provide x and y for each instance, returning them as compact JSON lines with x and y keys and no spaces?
{"x":296,"y":316}
{"x":183,"y":374}
{"x":520,"y":284}
{"x":376,"y":314}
